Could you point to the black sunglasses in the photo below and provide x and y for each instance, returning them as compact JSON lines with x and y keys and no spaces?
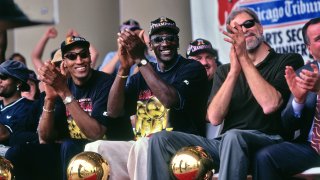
{"x":3,"y":77}
{"x":160,"y":39}
{"x":248,"y":23}
{"x":73,"y":55}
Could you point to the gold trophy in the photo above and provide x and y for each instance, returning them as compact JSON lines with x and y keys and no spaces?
{"x":192,"y":163}
{"x":88,"y":166}
{"x":5,"y":169}
{"x":152,"y":117}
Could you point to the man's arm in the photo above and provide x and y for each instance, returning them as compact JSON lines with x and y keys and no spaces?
{"x":219,"y":105}
{"x":116,"y":96}
{"x":110,"y":66}
{"x":270,"y":96}
{"x":166,"y":93}
{"x":36,"y":55}
{"x":46,"y":130}
{"x":291,"y":119}
{"x":266,"y":95}
{"x":88,"y":125}
{"x":94,"y":55}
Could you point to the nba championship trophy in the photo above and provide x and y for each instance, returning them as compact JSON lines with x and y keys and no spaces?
{"x":5,"y":169}
{"x":192,"y":163}
{"x":151,"y":116}
{"x":88,"y":166}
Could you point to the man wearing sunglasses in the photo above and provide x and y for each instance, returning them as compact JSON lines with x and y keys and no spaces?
{"x":14,"y":109}
{"x":248,"y":96}
{"x":73,"y":113}
{"x":168,"y":95}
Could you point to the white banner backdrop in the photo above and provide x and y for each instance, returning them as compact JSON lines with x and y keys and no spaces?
{"x":282,"y":21}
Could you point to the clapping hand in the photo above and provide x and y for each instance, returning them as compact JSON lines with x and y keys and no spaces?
{"x":55,"y":82}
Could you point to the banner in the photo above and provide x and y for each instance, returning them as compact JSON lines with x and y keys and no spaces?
{"x":282,"y":21}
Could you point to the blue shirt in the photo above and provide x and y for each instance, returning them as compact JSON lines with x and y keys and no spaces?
{"x":14,"y":116}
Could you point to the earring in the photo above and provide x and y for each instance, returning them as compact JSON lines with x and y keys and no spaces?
{"x":18,"y":88}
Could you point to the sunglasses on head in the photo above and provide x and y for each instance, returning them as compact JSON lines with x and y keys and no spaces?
{"x":3,"y":77}
{"x":73,"y":55}
{"x":161,"y":38}
{"x":248,"y":23}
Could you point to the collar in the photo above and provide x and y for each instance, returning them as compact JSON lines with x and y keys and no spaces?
{"x":267,"y":58}
{"x":11,"y":104}
{"x":177,"y":60}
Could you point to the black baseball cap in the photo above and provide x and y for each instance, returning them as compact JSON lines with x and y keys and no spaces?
{"x":130,"y":24}
{"x":73,"y":41}
{"x":163,"y":23}
{"x":200,"y":45}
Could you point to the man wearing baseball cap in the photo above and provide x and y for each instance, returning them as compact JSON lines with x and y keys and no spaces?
{"x":173,"y":83}
{"x":130,"y":24}
{"x":73,"y":113}
{"x":202,"y":51}
{"x":14,"y":109}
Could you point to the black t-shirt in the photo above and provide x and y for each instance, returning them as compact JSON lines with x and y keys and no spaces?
{"x":189,"y":78}
{"x":244,"y":111}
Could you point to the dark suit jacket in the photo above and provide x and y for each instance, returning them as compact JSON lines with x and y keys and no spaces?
{"x":303,"y":123}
